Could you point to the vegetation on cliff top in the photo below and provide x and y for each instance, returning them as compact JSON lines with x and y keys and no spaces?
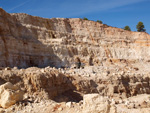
{"x":85,"y":18}
{"x":99,"y":21}
{"x":140,"y":27}
{"x":127,"y":28}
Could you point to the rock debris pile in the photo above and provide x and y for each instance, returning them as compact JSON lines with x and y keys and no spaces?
{"x":68,"y":90}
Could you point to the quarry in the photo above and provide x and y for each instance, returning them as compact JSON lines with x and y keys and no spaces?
{"x":71,"y":65}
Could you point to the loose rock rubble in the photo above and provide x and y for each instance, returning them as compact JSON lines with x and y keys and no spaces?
{"x":61,"y":91}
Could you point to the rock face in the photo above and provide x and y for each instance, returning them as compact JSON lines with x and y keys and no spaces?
{"x":33,"y":41}
{"x":9,"y":95}
{"x":116,"y":66}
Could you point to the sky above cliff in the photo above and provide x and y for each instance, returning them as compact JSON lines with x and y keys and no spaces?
{"x":116,"y":13}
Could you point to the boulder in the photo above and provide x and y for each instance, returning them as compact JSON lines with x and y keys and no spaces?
{"x":9,"y":95}
{"x":94,"y":103}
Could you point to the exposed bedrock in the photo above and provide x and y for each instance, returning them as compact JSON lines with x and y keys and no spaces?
{"x":123,"y":86}
{"x":44,"y":83}
{"x":33,"y":41}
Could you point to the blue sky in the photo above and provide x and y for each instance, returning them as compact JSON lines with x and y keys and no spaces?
{"x":116,"y":13}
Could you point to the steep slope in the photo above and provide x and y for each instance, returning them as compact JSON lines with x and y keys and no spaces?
{"x":20,"y":47}
{"x":33,"y":41}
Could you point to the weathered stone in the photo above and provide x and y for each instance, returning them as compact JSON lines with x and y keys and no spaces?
{"x":69,"y":104}
{"x":60,"y":109}
{"x":7,"y":68}
{"x":9,"y":95}
{"x":94,"y":103}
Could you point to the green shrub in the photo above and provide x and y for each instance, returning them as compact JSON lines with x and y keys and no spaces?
{"x":127,"y":28}
{"x":140,"y":27}
{"x":85,"y":18}
{"x":99,"y":21}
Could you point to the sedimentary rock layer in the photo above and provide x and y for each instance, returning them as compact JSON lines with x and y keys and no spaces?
{"x":33,"y":41}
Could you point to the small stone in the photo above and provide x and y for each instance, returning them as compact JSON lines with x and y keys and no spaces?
{"x":7,"y":68}
{"x":60,"y":109}
{"x":36,"y":101}
{"x":63,"y":71}
{"x":127,"y":102}
{"x":113,"y":74}
{"x":88,"y":75}
{"x":15,"y":68}
{"x":112,"y":101}
{"x":53,"y":110}
{"x":131,"y":106}
{"x":69,"y":104}
{"x":105,"y":74}
{"x":81,"y":102}
{"x":43,"y":70}
{"x":122,"y":72}
{"x":120,"y":101}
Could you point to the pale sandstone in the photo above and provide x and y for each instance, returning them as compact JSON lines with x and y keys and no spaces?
{"x":95,"y":103}
{"x":33,"y":41}
{"x":9,"y":95}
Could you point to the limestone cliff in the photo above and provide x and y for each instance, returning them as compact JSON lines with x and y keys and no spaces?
{"x":33,"y":41}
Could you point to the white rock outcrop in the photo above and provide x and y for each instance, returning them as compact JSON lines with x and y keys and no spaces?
{"x":27,"y":41}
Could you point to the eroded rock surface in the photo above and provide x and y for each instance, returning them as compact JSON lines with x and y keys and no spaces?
{"x":47,"y":83}
{"x":33,"y":41}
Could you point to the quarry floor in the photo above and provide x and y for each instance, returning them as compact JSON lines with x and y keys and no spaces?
{"x":120,"y":89}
